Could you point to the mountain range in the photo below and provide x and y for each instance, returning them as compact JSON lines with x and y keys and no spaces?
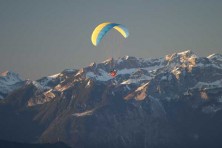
{"x":173,"y":101}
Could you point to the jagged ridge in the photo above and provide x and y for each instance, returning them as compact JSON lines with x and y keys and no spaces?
{"x":146,"y":104}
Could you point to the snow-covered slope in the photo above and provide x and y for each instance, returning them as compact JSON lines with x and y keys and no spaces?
{"x":9,"y":81}
{"x":130,"y":71}
{"x":181,"y":71}
{"x":137,"y":70}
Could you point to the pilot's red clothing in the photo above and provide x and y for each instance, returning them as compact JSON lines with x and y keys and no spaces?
{"x":113,"y":73}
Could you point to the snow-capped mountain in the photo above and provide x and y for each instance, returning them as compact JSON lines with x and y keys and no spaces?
{"x":161,"y":102}
{"x":9,"y":81}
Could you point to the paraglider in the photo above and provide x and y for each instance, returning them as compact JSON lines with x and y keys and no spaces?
{"x":113,"y":73}
{"x":100,"y":31}
{"x":103,"y":28}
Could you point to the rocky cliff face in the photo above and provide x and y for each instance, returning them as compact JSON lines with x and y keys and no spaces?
{"x":166,"y":102}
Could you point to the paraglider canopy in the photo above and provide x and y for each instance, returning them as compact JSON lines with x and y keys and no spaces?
{"x":100,"y":31}
{"x":103,"y":28}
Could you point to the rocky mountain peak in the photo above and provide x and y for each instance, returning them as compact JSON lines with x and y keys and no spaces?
{"x":216,"y":59}
{"x":9,"y":75}
{"x":180,"y":57}
{"x":215,"y":56}
{"x":147,"y":104}
{"x":9,"y":81}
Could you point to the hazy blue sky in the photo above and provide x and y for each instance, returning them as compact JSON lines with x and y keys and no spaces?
{"x":43,"y":37}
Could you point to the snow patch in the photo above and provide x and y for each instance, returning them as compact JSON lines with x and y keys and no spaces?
{"x":88,"y":84}
{"x":54,"y":76}
{"x":152,"y":68}
{"x":108,"y":61}
{"x":37,"y":85}
{"x":215,"y":56}
{"x":102,"y":76}
{"x":142,"y":87}
{"x":49,"y":94}
{"x":127,"y":71}
{"x":137,"y":80}
{"x":86,"y":113}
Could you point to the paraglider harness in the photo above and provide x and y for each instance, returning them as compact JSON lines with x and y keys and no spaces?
{"x":113,"y":73}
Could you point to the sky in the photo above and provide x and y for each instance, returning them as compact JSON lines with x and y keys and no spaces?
{"x":44,"y":37}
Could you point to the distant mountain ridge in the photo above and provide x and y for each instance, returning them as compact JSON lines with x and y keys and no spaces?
{"x":161,"y":102}
{"x":9,"y":81}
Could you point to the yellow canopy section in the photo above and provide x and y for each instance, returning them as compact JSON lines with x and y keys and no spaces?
{"x":103,"y":28}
